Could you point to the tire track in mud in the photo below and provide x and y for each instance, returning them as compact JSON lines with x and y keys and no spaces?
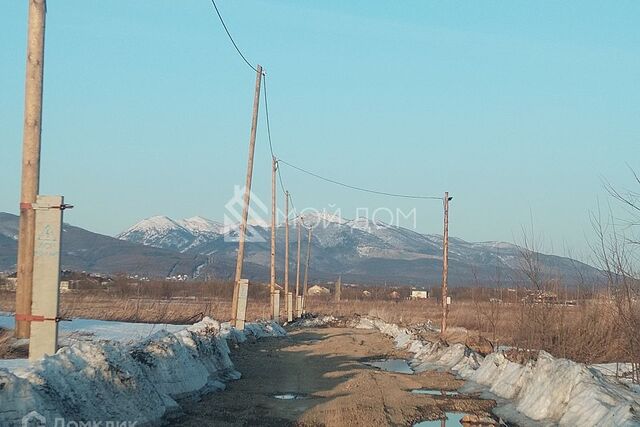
{"x":323,"y":369}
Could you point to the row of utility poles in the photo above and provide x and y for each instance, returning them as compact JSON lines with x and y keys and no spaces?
{"x":238,"y":293}
{"x":275,"y":293}
{"x":41,"y":220}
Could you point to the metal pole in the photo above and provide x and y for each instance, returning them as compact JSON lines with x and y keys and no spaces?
{"x":30,"y":162}
{"x":445,"y":262}
{"x":247,"y":195}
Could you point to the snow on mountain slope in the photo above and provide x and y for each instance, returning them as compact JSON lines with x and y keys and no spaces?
{"x":340,"y":244}
{"x":160,"y":232}
{"x":200,"y":225}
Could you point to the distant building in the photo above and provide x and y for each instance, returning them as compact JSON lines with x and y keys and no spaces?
{"x":10,"y":284}
{"x":318,"y":290}
{"x":540,"y":297}
{"x":64,"y":286}
{"x":394,"y":295}
{"x":419,"y":294}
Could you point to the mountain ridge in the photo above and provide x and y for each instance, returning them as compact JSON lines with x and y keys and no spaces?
{"x":359,"y":247}
{"x":359,"y":250}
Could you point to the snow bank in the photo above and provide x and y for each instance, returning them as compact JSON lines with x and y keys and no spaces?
{"x":139,"y":382}
{"x":561,"y":390}
{"x":92,"y":329}
{"x":315,"y":322}
{"x":548,"y":390}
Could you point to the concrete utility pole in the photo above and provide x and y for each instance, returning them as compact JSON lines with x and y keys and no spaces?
{"x":247,"y":195}
{"x":46,"y":276}
{"x":338,"y":289}
{"x":298,"y":296}
{"x":299,"y":226}
{"x":30,"y":163}
{"x":286,"y":251}
{"x":445,"y":263}
{"x":274,"y":166}
{"x":306,"y":267}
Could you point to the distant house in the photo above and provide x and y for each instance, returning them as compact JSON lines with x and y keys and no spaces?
{"x":419,"y":294}
{"x":540,"y":297}
{"x":318,"y":290}
{"x":64,"y":286}
{"x":10,"y":284}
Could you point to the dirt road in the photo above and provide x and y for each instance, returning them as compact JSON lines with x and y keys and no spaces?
{"x":323,"y":368}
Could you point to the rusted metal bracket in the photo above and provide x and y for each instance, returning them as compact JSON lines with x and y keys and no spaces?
{"x":28,"y":206}
{"x":37,"y":318}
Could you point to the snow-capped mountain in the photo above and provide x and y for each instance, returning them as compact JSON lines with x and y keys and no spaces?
{"x":180,"y":235}
{"x":359,"y":248}
{"x":160,"y":232}
{"x":198,"y":225}
{"x":83,"y":250}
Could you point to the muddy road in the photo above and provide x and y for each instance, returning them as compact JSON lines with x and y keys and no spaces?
{"x":322,"y":381}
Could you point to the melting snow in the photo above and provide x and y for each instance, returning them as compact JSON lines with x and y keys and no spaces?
{"x":548,"y":391}
{"x":113,"y":380}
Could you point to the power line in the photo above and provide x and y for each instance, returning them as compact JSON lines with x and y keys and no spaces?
{"x":231,"y":38}
{"x":273,"y":156}
{"x":353,"y":187}
{"x":266,"y":112}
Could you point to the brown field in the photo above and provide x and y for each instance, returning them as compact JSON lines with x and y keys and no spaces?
{"x":586,"y":332}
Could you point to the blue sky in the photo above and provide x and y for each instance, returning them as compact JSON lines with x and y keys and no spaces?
{"x":519,"y":109}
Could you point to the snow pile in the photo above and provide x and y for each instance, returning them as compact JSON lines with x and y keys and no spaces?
{"x":553,"y":390}
{"x":315,"y":322}
{"x":561,"y":390}
{"x":427,"y":355}
{"x":112,"y":381}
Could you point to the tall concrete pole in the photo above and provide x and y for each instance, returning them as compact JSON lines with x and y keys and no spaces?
{"x":274,"y":166}
{"x":299,"y":226}
{"x":306,"y":267}
{"x":445,"y":262}
{"x":30,"y":162}
{"x":286,"y":251}
{"x":247,"y":194}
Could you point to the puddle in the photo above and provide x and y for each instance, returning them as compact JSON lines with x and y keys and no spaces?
{"x":453,"y":419}
{"x":289,"y":396}
{"x":391,"y":365}
{"x":435,"y":392}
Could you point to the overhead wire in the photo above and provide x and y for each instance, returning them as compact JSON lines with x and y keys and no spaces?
{"x":273,"y":156}
{"x":215,"y":6}
{"x":354,"y":187}
{"x":278,"y":161}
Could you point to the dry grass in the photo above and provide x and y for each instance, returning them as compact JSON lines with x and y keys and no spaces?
{"x":585,"y":333}
{"x":8,"y":349}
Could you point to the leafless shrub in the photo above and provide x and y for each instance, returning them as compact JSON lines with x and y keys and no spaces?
{"x":617,"y":251}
